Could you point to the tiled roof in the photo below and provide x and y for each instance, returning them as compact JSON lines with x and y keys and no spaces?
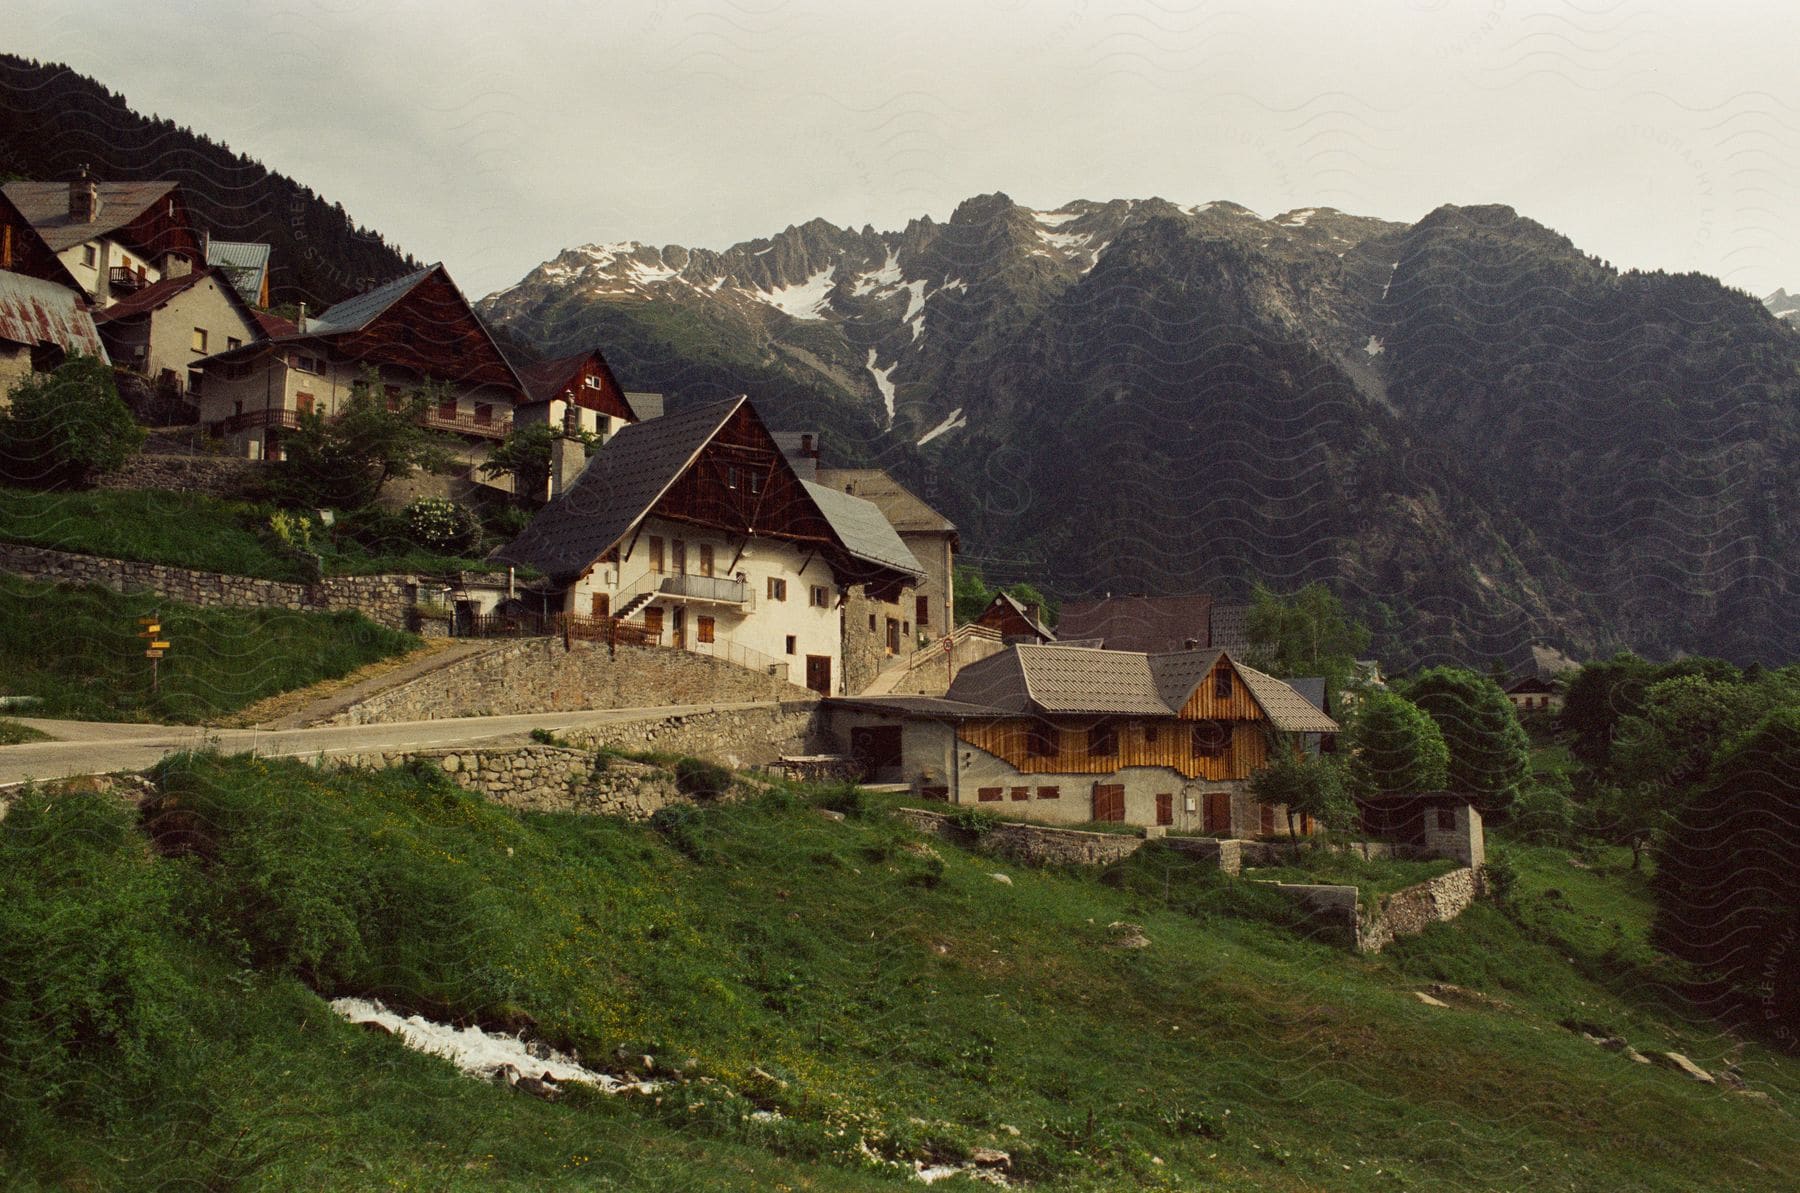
{"x":905,"y":510}
{"x":619,"y":486}
{"x":33,"y":311}
{"x":1287,"y":708}
{"x":354,"y":314}
{"x":645,"y":405}
{"x":150,"y":297}
{"x":1139,"y":622}
{"x":274,"y":326}
{"x":1231,"y":627}
{"x":544,"y":379}
{"x":46,"y":206}
{"x":860,"y":526}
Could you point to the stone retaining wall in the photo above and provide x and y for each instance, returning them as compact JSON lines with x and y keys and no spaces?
{"x":215,"y":476}
{"x":541,"y":675}
{"x":544,"y":779}
{"x":1032,"y":844}
{"x":736,"y":737}
{"x":1411,"y":911}
{"x":386,"y":600}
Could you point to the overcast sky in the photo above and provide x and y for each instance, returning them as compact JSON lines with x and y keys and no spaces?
{"x":1655,"y":133}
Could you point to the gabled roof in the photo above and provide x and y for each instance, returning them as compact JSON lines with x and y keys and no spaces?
{"x":1005,"y":600}
{"x":33,"y":312}
{"x":1069,"y":680}
{"x":46,"y":206}
{"x":645,"y":406}
{"x":544,"y":380}
{"x":274,"y":326}
{"x":617,"y":489}
{"x":354,"y":314}
{"x":1532,"y":684}
{"x":904,"y":510}
{"x":1140,"y":622}
{"x":245,"y":263}
{"x":158,"y":294}
{"x":860,"y":526}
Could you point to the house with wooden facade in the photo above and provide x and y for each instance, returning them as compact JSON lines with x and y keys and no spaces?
{"x":105,"y":240}
{"x":416,"y":329}
{"x":695,"y":531}
{"x":1015,"y":621}
{"x":1065,"y":734}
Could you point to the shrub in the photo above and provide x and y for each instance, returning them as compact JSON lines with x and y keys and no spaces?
{"x":1394,"y":746}
{"x":1544,"y":814}
{"x":438,"y":524}
{"x":847,"y":798}
{"x":1490,"y":756}
{"x":975,"y":821}
{"x":702,"y":779}
{"x":66,"y":427}
{"x":1501,"y":878}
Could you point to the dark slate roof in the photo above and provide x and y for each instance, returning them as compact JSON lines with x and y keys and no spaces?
{"x":46,"y":206}
{"x":1312,"y":687}
{"x":619,"y":486}
{"x":544,"y":379}
{"x":804,"y":462}
{"x":860,"y":526}
{"x":1231,"y":627}
{"x":1142,"y":623}
{"x":1062,"y":679}
{"x":645,"y":406}
{"x":150,"y":297}
{"x":904,"y":509}
{"x":33,"y":311}
{"x":354,"y":314}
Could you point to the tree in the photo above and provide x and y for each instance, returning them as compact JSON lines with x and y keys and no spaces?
{"x":1307,"y":635}
{"x":1490,"y":755}
{"x":66,"y":427}
{"x":343,"y":462}
{"x":525,"y":455}
{"x":1727,"y":891}
{"x":1394,"y":746}
{"x":1313,"y":786}
{"x":973,"y":595}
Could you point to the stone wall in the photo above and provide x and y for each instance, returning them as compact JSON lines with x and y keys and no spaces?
{"x":383,"y":599}
{"x":1411,"y":911}
{"x":735,"y":737}
{"x":215,"y":476}
{"x":544,"y":779}
{"x":1032,"y":844}
{"x":1223,"y":852}
{"x":541,"y":675}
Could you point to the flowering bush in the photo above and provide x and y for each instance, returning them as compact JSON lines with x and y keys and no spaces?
{"x":439,"y":524}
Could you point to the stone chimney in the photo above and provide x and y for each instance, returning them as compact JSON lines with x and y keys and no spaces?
{"x":567,"y":458}
{"x":300,"y":318}
{"x":84,"y":198}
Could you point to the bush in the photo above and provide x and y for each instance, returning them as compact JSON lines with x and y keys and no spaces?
{"x":847,"y":798}
{"x":438,"y":524}
{"x":701,"y":779}
{"x":1501,"y":878}
{"x":1394,"y":746}
{"x":974,"y":821}
{"x":66,"y":427}
{"x":1544,"y":814}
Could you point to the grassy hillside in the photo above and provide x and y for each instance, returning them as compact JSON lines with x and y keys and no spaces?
{"x":885,"y":997}
{"x":76,"y":648}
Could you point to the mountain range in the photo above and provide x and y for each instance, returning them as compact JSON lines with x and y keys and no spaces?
{"x":1483,"y":437}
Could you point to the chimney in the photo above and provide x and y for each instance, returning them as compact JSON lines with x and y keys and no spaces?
{"x":1191,"y":644}
{"x":567,"y":459}
{"x":84,"y":198}
{"x":300,"y":318}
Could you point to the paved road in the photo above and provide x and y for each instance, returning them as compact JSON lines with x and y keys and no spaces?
{"x":94,"y":747}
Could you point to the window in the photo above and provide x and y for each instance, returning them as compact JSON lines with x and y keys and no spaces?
{"x":790,"y":644}
{"x":601,"y":605}
{"x":656,"y":554}
{"x":706,"y":559}
{"x":988,"y":795}
{"x":1021,"y":793}
{"x":922,"y":611}
{"x":447,"y":410}
{"x":872,"y":628}
{"x":303,"y":403}
{"x":1211,"y":738}
{"x":756,"y":482}
{"x":1103,"y":740}
{"x":591,"y":381}
{"x":199,"y":339}
{"x":703,"y":629}
{"x":1040,"y":739}
{"x":821,"y":597}
{"x":1222,"y":683}
{"x":89,"y":258}
{"x":484,"y":413}
{"x":1165,"y":807}
{"x":906,"y":628}
{"x":731,"y":476}
{"x":1049,"y":793}
{"x":777,"y":588}
{"x":306,"y":364}
{"x":232,"y":343}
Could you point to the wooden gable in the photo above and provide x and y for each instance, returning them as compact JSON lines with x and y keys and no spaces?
{"x":432,"y":330}
{"x":741,"y":483}
{"x":163,"y":227}
{"x":1001,"y":617}
{"x":602,"y":396}
{"x":1211,"y":702}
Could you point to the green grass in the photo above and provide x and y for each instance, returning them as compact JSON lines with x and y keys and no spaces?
{"x":12,"y":733}
{"x":1372,"y":878}
{"x":191,"y":530}
{"x":77,"y":649}
{"x":889,"y":989}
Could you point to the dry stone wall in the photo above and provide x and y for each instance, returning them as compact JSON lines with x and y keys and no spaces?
{"x":1411,"y":911}
{"x":1032,"y":844}
{"x":215,"y":476}
{"x":544,"y":779}
{"x":542,"y":675}
{"x":386,"y":600}
{"x":735,"y":737}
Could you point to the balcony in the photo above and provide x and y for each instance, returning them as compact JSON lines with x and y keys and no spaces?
{"x":250,"y":420}
{"x":122,"y":279}
{"x":711,"y":589}
{"x":490,"y":427}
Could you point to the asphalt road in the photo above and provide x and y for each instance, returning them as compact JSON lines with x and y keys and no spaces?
{"x":95,"y":747}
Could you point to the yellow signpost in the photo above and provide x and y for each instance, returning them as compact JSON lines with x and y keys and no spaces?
{"x":150,"y":629}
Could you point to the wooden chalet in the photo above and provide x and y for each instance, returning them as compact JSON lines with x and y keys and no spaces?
{"x":575,"y":394}
{"x":1534,"y":693}
{"x":105,"y":240}
{"x":695,"y":528}
{"x":1014,"y":621}
{"x":1069,"y":734}
{"x":415,"y":329}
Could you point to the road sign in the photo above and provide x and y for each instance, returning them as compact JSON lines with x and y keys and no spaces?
{"x":159,"y":646}
{"x":148,"y":620}
{"x":153,"y":654}
{"x":150,"y":630}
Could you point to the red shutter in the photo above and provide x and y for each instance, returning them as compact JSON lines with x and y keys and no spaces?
{"x":1165,"y":807}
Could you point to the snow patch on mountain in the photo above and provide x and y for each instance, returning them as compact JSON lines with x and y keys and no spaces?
{"x":951,"y":423}
{"x":1055,"y":219}
{"x":915,"y":308}
{"x":885,"y":278}
{"x":801,"y":300}
{"x":884,"y":381}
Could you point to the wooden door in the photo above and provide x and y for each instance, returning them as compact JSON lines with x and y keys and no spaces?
{"x":1165,"y":807}
{"x":1109,"y":801}
{"x":893,"y":636}
{"x":601,"y":605}
{"x":653,"y":622}
{"x":678,"y":630}
{"x":818,"y":673}
{"x":678,"y":557}
{"x":1218,"y":811}
{"x":1268,"y":820}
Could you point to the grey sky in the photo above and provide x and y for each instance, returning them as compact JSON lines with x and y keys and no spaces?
{"x":1655,"y":133}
